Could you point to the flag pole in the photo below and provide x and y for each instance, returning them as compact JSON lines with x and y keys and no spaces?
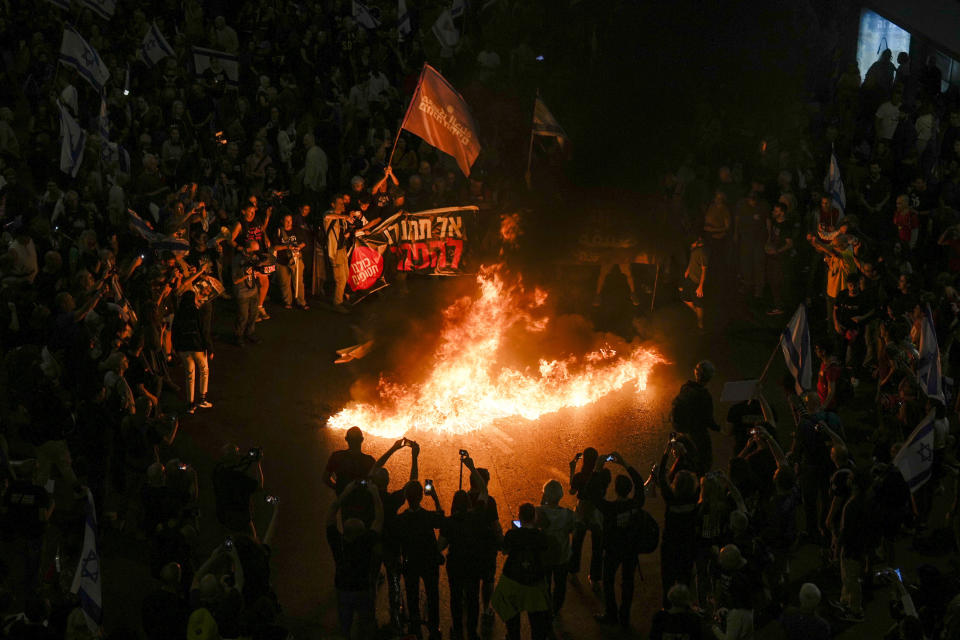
{"x":770,"y":360}
{"x":530,"y":148}
{"x":406,"y":113}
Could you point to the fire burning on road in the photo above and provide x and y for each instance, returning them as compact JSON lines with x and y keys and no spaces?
{"x":467,"y":388}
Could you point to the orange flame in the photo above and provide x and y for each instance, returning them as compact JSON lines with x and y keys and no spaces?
{"x":466,"y":391}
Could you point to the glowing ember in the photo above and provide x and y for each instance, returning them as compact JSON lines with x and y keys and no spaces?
{"x":467,"y":390}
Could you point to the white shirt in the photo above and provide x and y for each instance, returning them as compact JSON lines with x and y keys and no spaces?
{"x":888,"y":116}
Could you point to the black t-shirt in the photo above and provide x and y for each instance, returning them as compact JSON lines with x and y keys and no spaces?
{"x":850,"y":307}
{"x":465,"y":533}
{"x":414,"y":528}
{"x":233,"y":490}
{"x":620,"y":517}
{"x":692,"y":410}
{"x":160,"y":505}
{"x":676,"y":624}
{"x":348,"y":467}
{"x":524,"y":548}
{"x":355,"y":560}
{"x":391,"y":505}
{"x":23,"y":506}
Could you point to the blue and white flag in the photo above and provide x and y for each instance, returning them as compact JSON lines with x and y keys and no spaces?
{"x":103,"y":8}
{"x":157,"y":241}
{"x":87,"y":579}
{"x":915,"y":458}
{"x":795,"y":343}
{"x":458,"y":8}
{"x":73,"y":140}
{"x":155,"y":47}
{"x":833,"y":186}
{"x":77,"y":54}
{"x":403,"y":20}
{"x":110,"y":152}
{"x":365,"y":16}
{"x":230,"y":64}
{"x":929,"y":372}
{"x":446,"y":31}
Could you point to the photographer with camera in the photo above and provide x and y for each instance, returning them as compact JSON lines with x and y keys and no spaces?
{"x":463,"y":534}
{"x":620,"y":517}
{"x":236,"y":477}
{"x":354,"y":548}
{"x":415,"y":529}
{"x":246,"y":292}
{"x":680,"y":490}
{"x":392,"y":501}
{"x":290,"y":271}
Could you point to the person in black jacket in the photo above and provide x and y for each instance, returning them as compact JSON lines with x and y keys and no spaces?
{"x":680,"y":490}
{"x":620,"y":518}
{"x":692,"y":413}
{"x":193,"y":344}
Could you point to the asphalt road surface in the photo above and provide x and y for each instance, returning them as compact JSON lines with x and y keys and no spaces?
{"x":278,"y":395}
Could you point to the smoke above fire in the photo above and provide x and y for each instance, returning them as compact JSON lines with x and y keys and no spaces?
{"x":500,"y":354}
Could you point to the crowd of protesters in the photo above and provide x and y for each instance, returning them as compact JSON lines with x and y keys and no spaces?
{"x":200,"y":196}
{"x":106,"y":331}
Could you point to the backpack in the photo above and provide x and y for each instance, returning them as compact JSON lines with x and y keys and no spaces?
{"x":646,"y":532}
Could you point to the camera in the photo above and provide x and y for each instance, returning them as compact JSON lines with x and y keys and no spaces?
{"x":516,"y":524}
{"x":228,"y":544}
{"x":578,"y":456}
{"x":611,"y":458}
{"x":755,"y":431}
{"x":362,"y":482}
{"x":255,"y":453}
{"x":464,"y":454}
{"x":183,"y":467}
{"x":428,"y":486}
{"x":673,"y":436}
{"x":272,"y":499}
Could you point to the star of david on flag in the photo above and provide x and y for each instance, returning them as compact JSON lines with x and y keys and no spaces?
{"x":86,"y":580}
{"x":77,"y":54}
{"x":915,"y":458}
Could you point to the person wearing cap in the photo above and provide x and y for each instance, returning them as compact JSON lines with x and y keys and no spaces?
{"x":692,"y":413}
{"x":678,"y":621}
{"x":346,"y":465}
{"x":803,"y":622}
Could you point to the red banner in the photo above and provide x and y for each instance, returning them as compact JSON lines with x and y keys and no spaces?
{"x":438,"y":114}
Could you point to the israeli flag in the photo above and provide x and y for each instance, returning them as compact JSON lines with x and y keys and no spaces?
{"x":458,"y":8}
{"x":915,"y":458}
{"x":833,"y":186}
{"x":445,"y":31}
{"x":228,"y":62}
{"x":929,"y":372}
{"x":77,"y":54}
{"x":103,"y":8}
{"x":365,"y":16}
{"x":87,"y":579}
{"x":795,"y":343}
{"x":403,"y":21}
{"x":73,"y":140}
{"x":155,"y":47}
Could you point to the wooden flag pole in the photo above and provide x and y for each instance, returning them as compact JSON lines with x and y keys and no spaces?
{"x":656,"y":281}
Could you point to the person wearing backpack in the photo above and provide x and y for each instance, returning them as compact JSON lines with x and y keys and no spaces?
{"x":558,"y":523}
{"x":523,"y":586}
{"x":620,"y":521}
